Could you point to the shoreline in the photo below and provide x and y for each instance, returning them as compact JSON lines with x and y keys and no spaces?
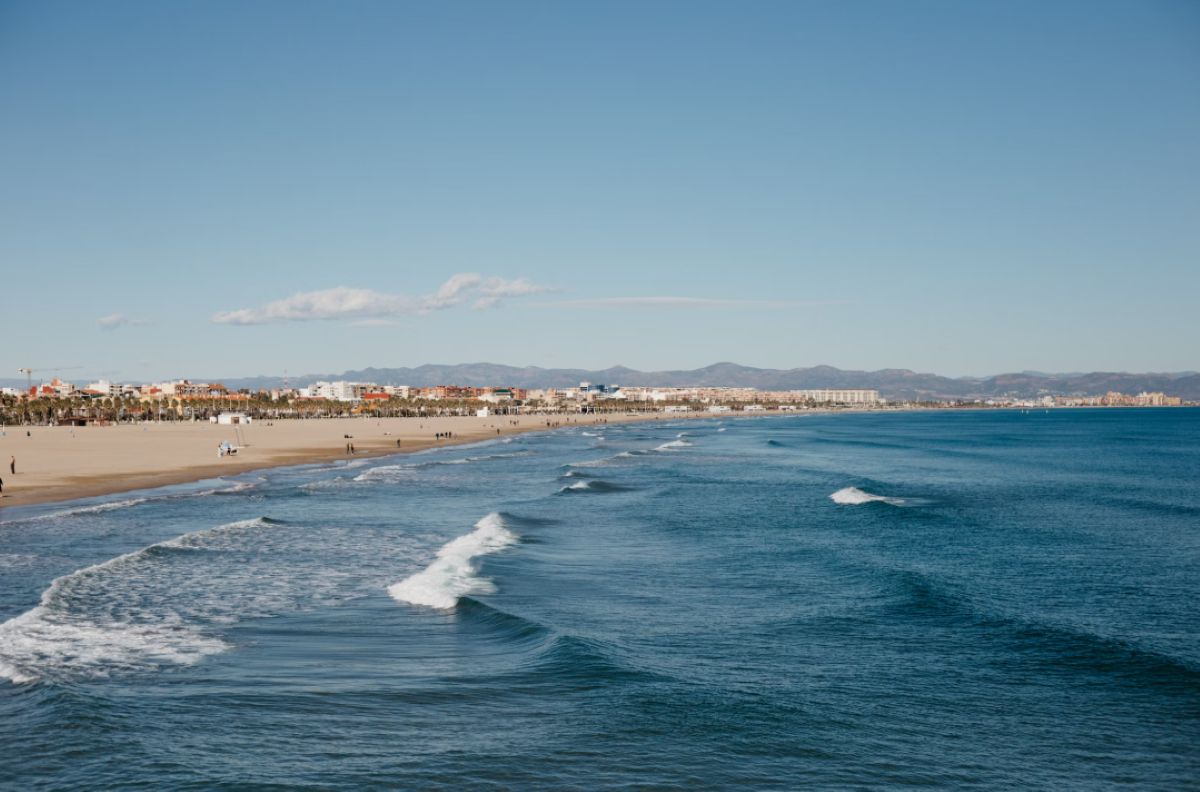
{"x":57,"y":465}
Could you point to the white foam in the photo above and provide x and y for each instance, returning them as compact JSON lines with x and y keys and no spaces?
{"x":454,"y":572}
{"x":589,"y":463}
{"x":506,"y":455}
{"x":853,"y":496}
{"x":722,"y":429}
{"x":671,"y":446}
{"x":240,"y":486}
{"x":80,"y":510}
{"x":322,"y":484}
{"x":99,"y":508}
{"x":153,"y":607}
{"x":386,"y":473}
{"x":389,"y":472}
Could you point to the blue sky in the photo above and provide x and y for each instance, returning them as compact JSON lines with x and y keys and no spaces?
{"x":228,"y":189}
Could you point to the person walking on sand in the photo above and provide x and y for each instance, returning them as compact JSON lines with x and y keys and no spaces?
{"x":12,"y":465}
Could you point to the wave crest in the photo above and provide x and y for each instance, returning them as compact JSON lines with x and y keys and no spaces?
{"x":853,"y":496}
{"x":591,"y":485}
{"x":107,"y":617}
{"x":454,"y":572}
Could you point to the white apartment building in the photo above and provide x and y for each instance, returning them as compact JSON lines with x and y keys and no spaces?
{"x":104,"y":387}
{"x":839,"y":396}
{"x":181,"y":388}
{"x":342,"y":390}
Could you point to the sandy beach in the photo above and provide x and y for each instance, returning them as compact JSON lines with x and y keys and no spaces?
{"x":63,"y":463}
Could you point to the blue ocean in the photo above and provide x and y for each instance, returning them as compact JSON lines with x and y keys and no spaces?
{"x":974,"y":599}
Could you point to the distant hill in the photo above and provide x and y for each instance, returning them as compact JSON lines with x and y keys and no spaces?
{"x":891,"y":383}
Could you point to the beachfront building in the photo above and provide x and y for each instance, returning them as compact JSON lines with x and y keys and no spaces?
{"x":231,"y":418}
{"x":185,"y":389}
{"x":103,"y":388}
{"x":589,"y":391}
{"x":58,"y":388}
{"x":341,"y":391}
{"x":838,"y":396}
{"x":1144,"y":399}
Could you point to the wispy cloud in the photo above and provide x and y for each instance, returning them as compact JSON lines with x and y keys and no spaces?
{"x":343,"y":302}
{"x":678,"y":302}
{"x":116,"y":320}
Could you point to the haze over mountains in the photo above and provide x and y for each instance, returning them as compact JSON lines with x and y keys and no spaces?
{"x":891,"y":383}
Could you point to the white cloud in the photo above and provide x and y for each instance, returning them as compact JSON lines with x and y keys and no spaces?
{"x":364,"y":304}
{"x":116,"y":320}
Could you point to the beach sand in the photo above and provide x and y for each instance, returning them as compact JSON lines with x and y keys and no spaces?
{"x":62,"y":463}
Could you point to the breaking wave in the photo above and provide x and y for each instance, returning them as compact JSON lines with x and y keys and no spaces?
{"x":386,"y":472}
{"x":454,"y":572}
{"x":853,"y":496}
{"x":592,"y":485}
{"x":95,"y":509}
{"x":100,"y":508}
{"x":126,"y":613}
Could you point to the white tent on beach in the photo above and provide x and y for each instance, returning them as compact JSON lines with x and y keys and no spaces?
{"x":231,"y":419}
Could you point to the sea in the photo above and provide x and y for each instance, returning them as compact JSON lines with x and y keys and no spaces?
{"x":992,"y":599}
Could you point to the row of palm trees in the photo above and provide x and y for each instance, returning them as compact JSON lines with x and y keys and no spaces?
{"x":129,"y":409}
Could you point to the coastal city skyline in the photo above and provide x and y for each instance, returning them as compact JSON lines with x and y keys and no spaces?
{"x":939,"y":187}
{"x":66,"y":402}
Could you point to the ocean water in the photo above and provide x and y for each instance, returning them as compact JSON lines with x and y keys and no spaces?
{"x":943,"y":599}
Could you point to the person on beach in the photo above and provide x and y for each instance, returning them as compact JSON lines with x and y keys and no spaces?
{"x":12,"y":465}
